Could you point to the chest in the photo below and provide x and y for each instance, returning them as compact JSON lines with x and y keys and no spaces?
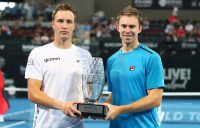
{"x":60,"y":65}
{"x":128,"y":66}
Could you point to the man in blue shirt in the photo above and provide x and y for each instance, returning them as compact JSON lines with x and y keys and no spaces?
{"x":135,"y":77}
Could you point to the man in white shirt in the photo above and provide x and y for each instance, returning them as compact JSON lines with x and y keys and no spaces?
{"x":54,"y":74}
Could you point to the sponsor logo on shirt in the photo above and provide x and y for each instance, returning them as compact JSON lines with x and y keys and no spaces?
{"x":132,"y":68}
{"x":51,"y":59}
{"x":30,"y":61}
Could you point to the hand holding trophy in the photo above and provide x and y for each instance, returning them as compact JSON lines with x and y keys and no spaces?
{"x":93,"y":82}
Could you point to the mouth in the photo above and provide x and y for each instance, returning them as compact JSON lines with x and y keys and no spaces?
{"x":128,"y":36}
{"x":64,"y":32}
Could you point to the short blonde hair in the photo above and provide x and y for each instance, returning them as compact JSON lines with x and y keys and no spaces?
{"x":130,"y":11}
{"x":63,"y":7}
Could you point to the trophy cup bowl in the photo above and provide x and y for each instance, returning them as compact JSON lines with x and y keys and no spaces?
{"x":93,"y":80}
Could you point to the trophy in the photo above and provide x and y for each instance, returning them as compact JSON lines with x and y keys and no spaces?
{"x":93,"y":82}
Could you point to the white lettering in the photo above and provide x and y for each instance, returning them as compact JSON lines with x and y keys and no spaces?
{"x":194,"y":116}
{"x":179,"y":73}
{"x":28,"y":48}
{"x":178,"y":116}
{"x":198,"y":116}
{"x":112,"y":44}
{"x":174,"y":84}
{"x":177,"y":77}
{"x":175,"y":73}
{"x":167,"y":116}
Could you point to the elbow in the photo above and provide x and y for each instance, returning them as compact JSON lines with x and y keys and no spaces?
{"x":156,"y":97}
{"x":157,"y":104}
{"x":31,"y":96}
{"x":155,"y":101}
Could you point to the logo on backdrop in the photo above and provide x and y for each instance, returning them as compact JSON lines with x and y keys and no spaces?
{"x":177,"y":78}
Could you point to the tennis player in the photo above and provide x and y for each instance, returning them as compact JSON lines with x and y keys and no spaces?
{"x":135,"y":77}
{"x":54,"y":73}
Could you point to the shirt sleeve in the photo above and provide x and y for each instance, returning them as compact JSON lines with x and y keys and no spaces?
{"x":34,"y":66}
{"x":155,"y":75}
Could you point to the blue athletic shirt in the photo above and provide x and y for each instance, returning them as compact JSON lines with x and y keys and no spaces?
{"x":129,"y":76}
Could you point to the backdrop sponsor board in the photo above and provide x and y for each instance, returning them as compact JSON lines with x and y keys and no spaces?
{"x":180,"y":61}
{"x":166,"y":4}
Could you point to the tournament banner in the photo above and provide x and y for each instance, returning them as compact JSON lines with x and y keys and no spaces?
{"x":166,"y":4}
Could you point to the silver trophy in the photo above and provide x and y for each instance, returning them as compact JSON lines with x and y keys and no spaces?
{"x":93,"y":80}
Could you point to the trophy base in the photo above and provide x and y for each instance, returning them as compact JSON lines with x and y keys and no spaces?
{"x":93,"y":110}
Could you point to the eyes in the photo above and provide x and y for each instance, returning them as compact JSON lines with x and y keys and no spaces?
{"x":62,"y":21}
{"x":125,"y":26}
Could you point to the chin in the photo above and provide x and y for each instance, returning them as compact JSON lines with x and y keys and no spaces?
{"x":128,"y":42}
{"x":64,"y":37}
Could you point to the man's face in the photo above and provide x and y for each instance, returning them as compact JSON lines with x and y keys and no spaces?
{"x":129,"y":29}
{"x":63,"y":25}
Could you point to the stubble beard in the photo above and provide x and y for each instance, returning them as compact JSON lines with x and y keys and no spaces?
{"x":128,"y":45}
{"x":128,"y":42}
{"x":63,"y":39}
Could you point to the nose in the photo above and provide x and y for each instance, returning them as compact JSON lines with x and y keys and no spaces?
{"x":64,"y":24}
{"x":127,"y":30}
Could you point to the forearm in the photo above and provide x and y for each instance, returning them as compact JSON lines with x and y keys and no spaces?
{"x":150,"y":101}
{"x":39,"y":97}
{"x":66,"y":107}
{"x":138,"y":106}
{"x":44,"y":100}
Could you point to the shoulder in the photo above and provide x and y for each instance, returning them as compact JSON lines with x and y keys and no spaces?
{"x":82,"y":52}
{"x":148,"y":52}
{"x":146,"y":49}
{"x":41,"y":49}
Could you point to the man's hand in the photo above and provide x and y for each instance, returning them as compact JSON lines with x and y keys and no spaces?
{"x":113,"y":112}
{"x":68,"y":108}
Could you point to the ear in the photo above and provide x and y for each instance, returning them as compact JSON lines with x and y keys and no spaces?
{"x":75,"y":26}
{"x":140,"y":28}
{"x":117,"y":26}
{"x":52,"y":25}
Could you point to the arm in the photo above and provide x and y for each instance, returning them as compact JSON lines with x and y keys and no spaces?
{"x":39,"y":97}
{"x":109,"y":99}
{"x":153,"y":99}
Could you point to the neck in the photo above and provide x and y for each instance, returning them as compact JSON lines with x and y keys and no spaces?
{"x":63,"y":43}
{"x":129,"y":47}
